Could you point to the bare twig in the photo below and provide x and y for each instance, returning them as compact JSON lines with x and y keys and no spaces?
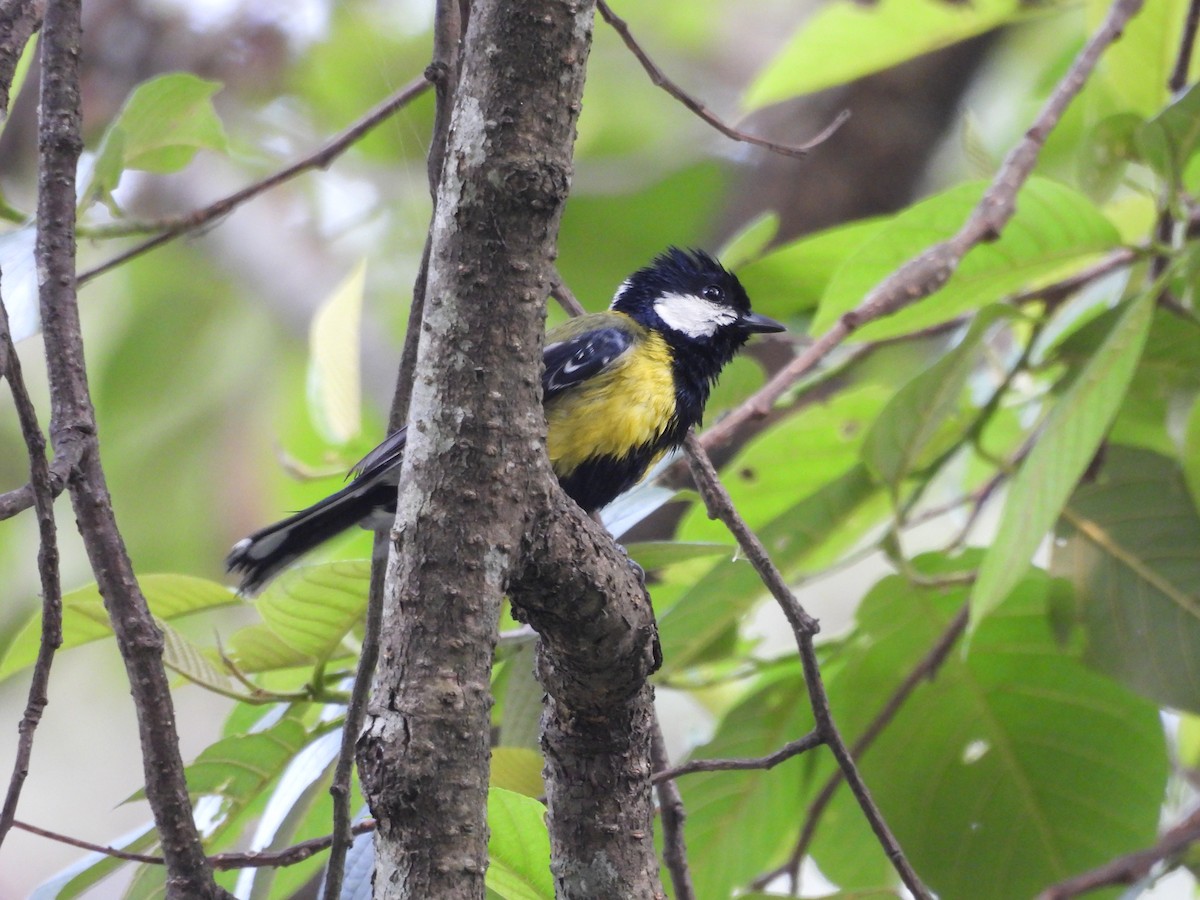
{"x":1179,"y":75}
{"x":252,"y":859}
{"x":1131,"y":868}
{"x":320,"y":159}
{"x":740,"y":763}
{"x":442,"y":73}
{"x":20,"y":499}
{"x":924,"y":274}
{"x":922,"y":671}
{"x":567,"y":300}
{"x":670,"y":807}
{"x":1164,"y":229}
{"x":659,"y":78}
{"x":48,"y":570}
{"x":1060,"y":290}
{"x":804,"y":627}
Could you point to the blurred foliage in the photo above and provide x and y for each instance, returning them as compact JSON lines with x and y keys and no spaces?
{"x":226,"y":373}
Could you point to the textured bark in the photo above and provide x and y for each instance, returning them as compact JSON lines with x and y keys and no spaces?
{"x":474,"y":443}
{"x":73,"y":422}
{"x":598,"y":645}
{"x":19,"y":19}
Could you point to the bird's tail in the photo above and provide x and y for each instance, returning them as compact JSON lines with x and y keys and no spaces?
{"x":262,"y":555}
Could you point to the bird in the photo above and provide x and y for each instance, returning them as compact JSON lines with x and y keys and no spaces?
{"x":620,"y":389}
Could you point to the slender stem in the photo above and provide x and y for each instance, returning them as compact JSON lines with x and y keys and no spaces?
{"x":804,"y":627}
{"x":924,"y":274}
{"x":253,"y":859}
{"x":48,"y":570}
{"x":319,"y":159}
{"x":659,"y":78}
{"x":73,"y":421}
{"x":670,"y":806}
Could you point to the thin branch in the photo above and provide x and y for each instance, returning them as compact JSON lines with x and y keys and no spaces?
{"x":73,"y":419}
{"x":1183,"y":62}
{"x":567,"y":300}
{"x":924,"y":274}
{"x":670,"y":806}
{"x":659,"y":78}
{"x":48,"y":570}
{"x":804,"y":627}
{"x":743,"y":763}
{"x":1131,"y":868}
{"x":1058,"y":291}
{"x":250,"y":859}
{"x":924,"y":670}
{"x":320,"y":159}
{"x":20,"y":499}
{"x":1164,"y":229}
{"x":442,"y":73}
{"x":114,"y":852}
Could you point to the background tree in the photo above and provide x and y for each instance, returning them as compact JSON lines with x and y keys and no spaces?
{"x":1023,"y":390}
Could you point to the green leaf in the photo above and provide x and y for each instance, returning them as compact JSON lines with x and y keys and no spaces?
{"x":1191,"y":452}
{"x":750,"y":242}
{"x":159,"y":129}
{"x":1130,"y":544}
{"x":518,"y":847}
{"x":929,"y":415}
{"x":1054,"y":230}
{"x":522,"y":725}
{"x":652,"y":555}
{"x":843,"y":41}
{"x":738,"y":822}
{"x":182,"y":656}
{"x":1015,"y":751}
{"x":1136,"y":68}
{"x":803,"y":538}
{"x":334,"y":390}
{"x":517,"y":769}
{"x":311,"y":609}
{"x":1166,"y":380}
{"x":1105,"y":152}
{"x":1169,"y":140}
{"x":238,"y":768}
{"x":78,"y":878}
{"x":793,"y":277}
{"x":300,"y":808}
{"x":85,"y":618}
{"x":1068,"y":443}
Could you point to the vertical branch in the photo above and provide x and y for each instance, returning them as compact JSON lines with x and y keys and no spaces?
{"x":598,"y":645}
{"x":73,"y":421}
{"x":671,"y":812}
{"x":43,"y":502}
{"x":424,"y":754}
{"x":443,"y":72}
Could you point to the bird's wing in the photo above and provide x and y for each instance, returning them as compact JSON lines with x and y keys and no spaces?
{"x":568,"y":363}
{"x":572,"y":361}
{"x":389,"y":453}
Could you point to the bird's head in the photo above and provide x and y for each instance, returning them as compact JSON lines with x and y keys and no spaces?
{"x":693,"y":301}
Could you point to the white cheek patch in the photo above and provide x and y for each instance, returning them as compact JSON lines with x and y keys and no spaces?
{"x":692,"y":315}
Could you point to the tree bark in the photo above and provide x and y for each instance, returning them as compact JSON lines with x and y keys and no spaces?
{"x":73,"y":422}
{"x":474,"y":449}
{"x":598,"y":645}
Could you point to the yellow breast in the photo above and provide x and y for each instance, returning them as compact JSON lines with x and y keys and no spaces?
{"x":625,"y":407}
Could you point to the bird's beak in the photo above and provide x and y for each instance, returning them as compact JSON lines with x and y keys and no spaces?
{"x":753,"y":323}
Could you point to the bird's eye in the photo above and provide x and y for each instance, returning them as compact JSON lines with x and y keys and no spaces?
{"x":714,"y":293}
